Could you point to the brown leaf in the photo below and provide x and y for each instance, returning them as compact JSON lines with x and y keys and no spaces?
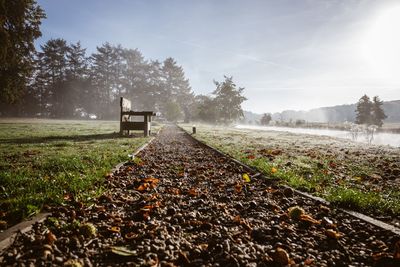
{"x":333,"y":234}
{"x":193,"y":192}
{"x":397,"y":250}
{"x":50,"y":238}
{"x":308,"y":218}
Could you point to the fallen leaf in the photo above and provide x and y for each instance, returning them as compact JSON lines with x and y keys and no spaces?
{"x":332,"y":234}
{"x":123,"y":251}
{"x":238,"y":188}
{"x":114,"y":229}
{"x":308,"y":218}
{"x":308,"y":261}
{"x":50,"y":238}
{"x":246,"y":178}
{"x":397,"y":250}
{"x":131,"y":235}
{"x":192,"y":192}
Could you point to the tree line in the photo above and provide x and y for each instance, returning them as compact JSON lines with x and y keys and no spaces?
{"x":62,"y":81}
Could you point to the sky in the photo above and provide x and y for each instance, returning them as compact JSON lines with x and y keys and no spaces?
{"x":287,"y":54}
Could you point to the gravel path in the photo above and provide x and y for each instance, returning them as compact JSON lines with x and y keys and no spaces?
{"x":181,"y":204}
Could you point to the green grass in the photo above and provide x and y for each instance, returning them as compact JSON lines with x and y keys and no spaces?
{"x":321,"y":167}
{"x":41,"y":161}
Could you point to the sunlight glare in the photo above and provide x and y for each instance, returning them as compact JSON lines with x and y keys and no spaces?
{"x":381,"y":47}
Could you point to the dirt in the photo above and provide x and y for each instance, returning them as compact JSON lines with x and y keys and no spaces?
{"x":181,"y":204}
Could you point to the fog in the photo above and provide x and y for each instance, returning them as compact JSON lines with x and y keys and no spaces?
{"x":391,"y":139}
{"x":289,"y":55}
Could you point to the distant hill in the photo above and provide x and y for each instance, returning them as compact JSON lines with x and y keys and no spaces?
{"x":339,"y":113}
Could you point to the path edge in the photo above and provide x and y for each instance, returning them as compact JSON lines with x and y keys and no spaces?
{"x":6,"y":237}
{"x":358,"y":215}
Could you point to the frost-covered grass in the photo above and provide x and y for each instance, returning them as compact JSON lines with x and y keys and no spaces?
{"x":357,"y":176}
{"x":42,"y":161}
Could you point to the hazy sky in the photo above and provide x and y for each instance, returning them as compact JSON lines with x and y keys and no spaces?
{"x":288,"y":54}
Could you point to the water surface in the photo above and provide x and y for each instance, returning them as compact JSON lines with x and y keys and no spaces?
{"x":391,"y":139}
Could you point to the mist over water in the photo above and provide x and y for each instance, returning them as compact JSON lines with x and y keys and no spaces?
{"x":391,"y":139}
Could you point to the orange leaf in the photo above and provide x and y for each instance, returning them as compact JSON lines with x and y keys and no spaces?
{"x":151,"y":180}
{"x":308,"y":218}
{"x":238,"y":188}
{"x":274,"y":170}
{"x":143,"y":187}
{"x":175,"y":191}
{"x":332,"y":234}
{"x":193,"y":192}
{"x":114,"y":229}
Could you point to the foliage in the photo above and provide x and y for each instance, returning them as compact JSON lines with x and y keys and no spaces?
{"x":19,"y":27}
{"x":67,"y":83}
{"x":266,"y":119}
{"x":370,"y":113}
{"x":172,"y":111}
{"x":228,"y":100}
{"x":176,"y":87}
{"x":363,"y":110}
{"x":205,"y":109}
{"x":377,"y":113}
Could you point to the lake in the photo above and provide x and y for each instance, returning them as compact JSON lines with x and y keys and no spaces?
{"x":391,"y":139}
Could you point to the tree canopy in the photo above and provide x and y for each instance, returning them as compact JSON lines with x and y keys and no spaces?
{"x":370,"y":112}
{"x":19,"y":27}
{"x":228,"y":100}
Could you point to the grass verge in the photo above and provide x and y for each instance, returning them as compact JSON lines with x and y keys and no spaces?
{"x":44,"y":161}
{"x":336,"y":170}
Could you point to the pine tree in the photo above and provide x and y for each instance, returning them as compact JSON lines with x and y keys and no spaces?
{"x":378,"y":114}
{"x":228,"y":100}
{"x":363,"y":111}
{"x":104,"y":77}
{"x":177,"y":87}
{"x":77,"y":81}
{"x":19,"y":27}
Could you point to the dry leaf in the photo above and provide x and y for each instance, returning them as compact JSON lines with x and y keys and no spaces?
{"x":308,"y":218}
{"x":123,"y":251}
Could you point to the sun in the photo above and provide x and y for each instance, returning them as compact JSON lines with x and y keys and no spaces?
{"x":381,"y":45}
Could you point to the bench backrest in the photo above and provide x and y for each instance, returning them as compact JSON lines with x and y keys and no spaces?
{"x":125,"y":105}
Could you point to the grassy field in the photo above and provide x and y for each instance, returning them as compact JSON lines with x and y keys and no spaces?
{"x":360,"y":177}
{"x":44,"y":161}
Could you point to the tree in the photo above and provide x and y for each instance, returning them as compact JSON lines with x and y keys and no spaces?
{"x":228,"y":100}
{"x":77,"y":81}
{"x":377,"y":112}
{"x":266,"y":119}
{"x":363,"y":110}
{"x":172,"y":111}
{"x":19,"y":27}
{"x":177,"y":87}
{"x":205,"y":109}
{"x":51,"y":77}
{"x":105,"y":75}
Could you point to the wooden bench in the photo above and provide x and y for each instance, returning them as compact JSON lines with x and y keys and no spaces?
{"x":126,"y":123}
